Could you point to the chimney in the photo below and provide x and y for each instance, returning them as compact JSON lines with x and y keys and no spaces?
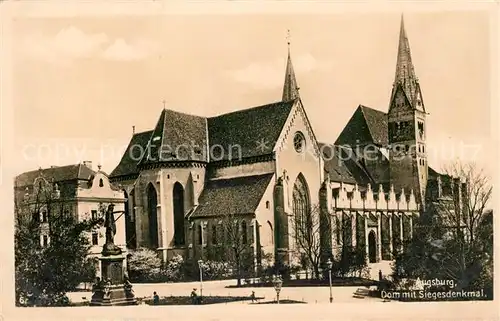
{"x":88,"y":164}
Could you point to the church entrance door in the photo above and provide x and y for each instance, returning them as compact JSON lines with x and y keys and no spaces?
{"x":372,"y":247}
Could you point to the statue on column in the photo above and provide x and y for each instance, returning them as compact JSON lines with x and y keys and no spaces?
{"x":109,"y":247}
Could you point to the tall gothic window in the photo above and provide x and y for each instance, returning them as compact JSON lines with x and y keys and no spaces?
{"x":153,"y":216}
{"x":244,"y":233}
{"x":178,"y":199}
{"x":301,"y":210}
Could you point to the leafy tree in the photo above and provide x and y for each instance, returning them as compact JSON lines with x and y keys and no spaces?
{"x":51,"y":247}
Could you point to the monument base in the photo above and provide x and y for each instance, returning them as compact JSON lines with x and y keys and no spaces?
{"x":114,"y":288}
{"x":116,"y":295}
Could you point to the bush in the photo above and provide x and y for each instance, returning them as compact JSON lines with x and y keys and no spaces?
{"x":173,"y":270}
{"x":213,"y":270}
{"x":144,"y":266}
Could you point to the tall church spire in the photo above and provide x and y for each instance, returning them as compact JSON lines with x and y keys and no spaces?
{"x":405,"y":72}
{"x":290,"y":88}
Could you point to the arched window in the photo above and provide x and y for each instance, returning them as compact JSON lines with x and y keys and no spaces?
{"x":101,"y":183}
{"x":301,"y":210}
{"x":129,"y":220}
{"x":244,"y":232}
{"x":214,"y":234}
{"x":271,"y":232}
{"x":152,"y":216}
{"x":267,"y":204}
{"x":200,"y":235}
{"x":178,"y":199}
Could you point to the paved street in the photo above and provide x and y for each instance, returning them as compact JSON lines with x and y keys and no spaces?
{"x":219,"y":288}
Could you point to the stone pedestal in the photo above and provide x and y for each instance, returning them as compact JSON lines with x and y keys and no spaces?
{"x":114,"y":288}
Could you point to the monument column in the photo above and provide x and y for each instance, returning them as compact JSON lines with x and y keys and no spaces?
{"x":113,"y":288}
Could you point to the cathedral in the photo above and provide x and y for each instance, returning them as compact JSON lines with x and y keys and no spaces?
{"x":266,"y":166}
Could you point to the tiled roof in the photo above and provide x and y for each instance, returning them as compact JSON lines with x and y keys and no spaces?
{"x":334,"y":164}
{"x":239,"y":195}
{"x":366,"y":126}
{"x":377,"y":124}
{"x":177,"y":137}
{"x":252,"y":131}
{"x":432,"y":173}
{"x":132,"y":155}
{"x":255,"y":130}
{"x":56,"y":173}
{"x":356,"y":169}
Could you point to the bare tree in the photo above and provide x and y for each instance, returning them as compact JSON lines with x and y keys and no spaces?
{"x":452,"y":239}
{"x":235,"y":243}
{"x":308,"y":232}
{"x":467,"y":212}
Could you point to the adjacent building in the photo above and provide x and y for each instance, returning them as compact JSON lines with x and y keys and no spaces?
{"x":77,"y":190}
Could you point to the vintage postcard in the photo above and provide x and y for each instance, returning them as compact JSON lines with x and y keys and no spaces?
{"x":293,"y":162}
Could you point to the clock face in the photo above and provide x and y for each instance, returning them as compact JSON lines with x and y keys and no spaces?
{"x":299,"y":142}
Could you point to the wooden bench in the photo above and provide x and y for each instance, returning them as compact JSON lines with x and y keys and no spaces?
{"x":361,"y":293}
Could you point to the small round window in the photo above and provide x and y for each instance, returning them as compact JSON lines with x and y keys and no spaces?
{"x":299,"y":142}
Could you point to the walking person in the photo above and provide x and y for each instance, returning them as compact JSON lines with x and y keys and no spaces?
{"x":253,"y":296}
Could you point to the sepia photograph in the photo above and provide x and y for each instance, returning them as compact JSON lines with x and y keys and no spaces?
{"x":252,"y":159}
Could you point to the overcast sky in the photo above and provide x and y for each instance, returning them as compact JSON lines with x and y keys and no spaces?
{"x":81,"y":84}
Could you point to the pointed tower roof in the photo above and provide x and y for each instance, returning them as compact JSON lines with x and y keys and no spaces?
{"x":290,"y":88}
{"x":405,"y":77}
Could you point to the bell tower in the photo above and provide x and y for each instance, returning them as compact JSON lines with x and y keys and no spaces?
{"x":406,"y":126}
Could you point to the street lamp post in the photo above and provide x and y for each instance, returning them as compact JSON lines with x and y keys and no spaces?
{"x":329,"y":265}
{"x":200,"y":262}
{"x":277,"y":282}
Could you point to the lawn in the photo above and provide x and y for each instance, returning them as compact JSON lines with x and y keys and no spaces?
{"x":186,"y":300}
{"x":351,"y":281}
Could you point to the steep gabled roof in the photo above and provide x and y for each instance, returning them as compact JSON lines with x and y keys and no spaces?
{"x":177,"y":137}
{"x":377,"y":125}
{"x":233,"y":196}
{"x":366,"y":126}
{"x":56,"y":174}
{"x":132,"y":155}
{"x":253,"y":131}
